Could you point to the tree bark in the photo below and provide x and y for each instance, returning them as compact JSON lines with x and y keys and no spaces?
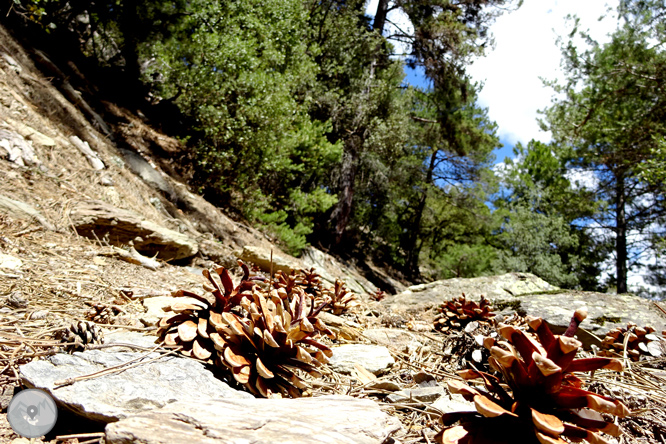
{"x":621,"y":234}
{"x":342,"y":213}
{"x":380,"y":16}
{"x":414,"y":251}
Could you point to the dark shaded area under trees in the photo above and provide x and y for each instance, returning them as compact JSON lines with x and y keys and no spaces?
{"x":296,"y":118}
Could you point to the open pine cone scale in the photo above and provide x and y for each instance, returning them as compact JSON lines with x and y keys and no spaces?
{"x":544,"y":395}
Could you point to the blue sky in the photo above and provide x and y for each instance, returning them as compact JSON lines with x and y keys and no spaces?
{"x":525,"y":50}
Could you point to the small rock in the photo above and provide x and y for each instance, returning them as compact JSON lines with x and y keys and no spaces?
{"x":38,"y":315}
{"x":12,"y":63}
{"x":375,"y":358}
{"x":453,"y":403}
{"x":389,"y":386}
{"x":655,"y":348}
{"x":469,"y":328}
{"x":6,"y":395}
{"x":422,"y":376}
{"x":422,"y":394}
{"x":321,"y":420}
{"x":107,"y":181}
{"x":10,"y":262}
{"x":16,"y":300}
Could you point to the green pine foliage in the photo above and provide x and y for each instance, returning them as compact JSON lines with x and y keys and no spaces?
{"x":297,"y":119}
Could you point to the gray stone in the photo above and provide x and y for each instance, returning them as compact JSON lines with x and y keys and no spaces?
{"x":330,"y":269}
{"x":17,"y":149}
{"x":97,"y":219}
{"x":261,"y":257}
{"x":395,"y":338}
{"x":453,"y":403}
{"x":419,"y":298}
{"x":420,"y":394}
{"x":423,"y":377}
{"x":324,"y":420}
{"x":145,"y":170}
{"x":20,"y":210}
{"x":374,"y":358}
{"x":122,"y":394}
{"x":605,"y":311}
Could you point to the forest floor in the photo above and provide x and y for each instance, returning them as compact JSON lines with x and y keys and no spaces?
{"x":61,"y":276}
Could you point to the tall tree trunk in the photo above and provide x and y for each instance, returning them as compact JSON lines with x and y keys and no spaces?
{"x":129,"y":23}
{"x":412,"y":247}
{"x":380,"y":16}
{"x":342,"y":212}
{"x":621,"y":234}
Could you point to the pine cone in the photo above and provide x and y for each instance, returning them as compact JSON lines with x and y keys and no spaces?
{"x":537,"y":396}
{"x":103,"y":314}
{"x":264,"y":337}
{"x":81,"y":333}
{"x":641,"y":342}
{"x":310,"y":281}
{"x":458,"y":312}
{"x":338,"y":300}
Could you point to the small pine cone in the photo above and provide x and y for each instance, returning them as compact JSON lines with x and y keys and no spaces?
{"x":641,"y":342}
{"x":458,"y":312}
{"x":81,"y":333}
{"x":378,"y":295}
{"x":103,"y":314}
{"x":310,"y":281}
{"x":338,"y":301}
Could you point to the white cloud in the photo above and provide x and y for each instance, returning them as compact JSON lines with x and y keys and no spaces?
{"x":525,"y":51}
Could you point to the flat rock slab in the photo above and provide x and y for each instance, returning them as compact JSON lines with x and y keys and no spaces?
{"x":97,"y":219}
{"x":326,"y":419}
{"x":605,"y":311}
{"x":374,"y":358}
{"x":115,"y":396}
{"x":527,"y":294}
{"x":419,"y":298}
{"x":261,"y":257}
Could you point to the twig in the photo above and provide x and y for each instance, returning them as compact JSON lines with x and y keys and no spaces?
{"x":28,"y":231}
{"x":115,"y":369}
{"x":80,"y":435}
{"x":128,"y":327}
{"x":659,"y":307}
